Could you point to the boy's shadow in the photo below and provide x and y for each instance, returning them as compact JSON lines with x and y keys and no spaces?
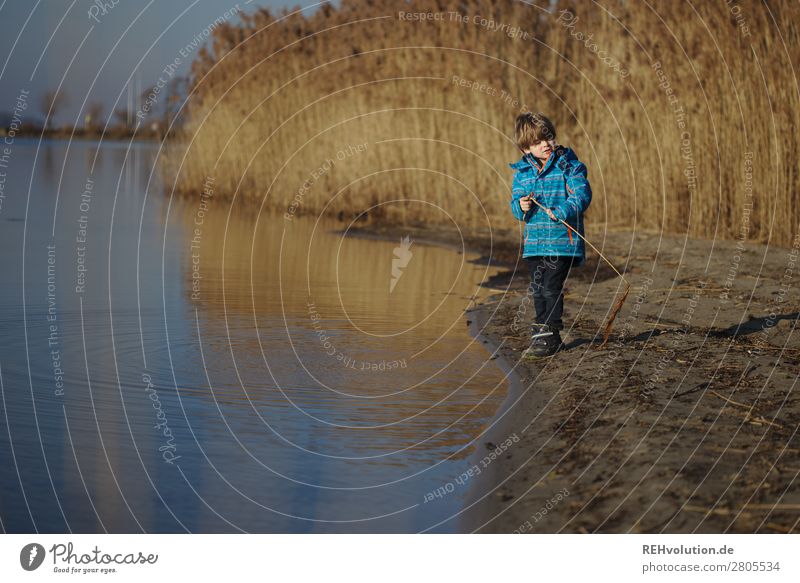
{"x":752,"y":326}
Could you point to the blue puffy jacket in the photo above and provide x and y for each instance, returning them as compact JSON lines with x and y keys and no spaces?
{"x":562,"y":186}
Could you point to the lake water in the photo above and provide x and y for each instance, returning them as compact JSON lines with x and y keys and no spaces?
{"x":170,"y":365}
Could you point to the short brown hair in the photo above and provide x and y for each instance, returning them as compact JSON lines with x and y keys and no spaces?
{"x":532,"y":128}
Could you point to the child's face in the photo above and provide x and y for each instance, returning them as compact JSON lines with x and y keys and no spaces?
{"x":542,"y":149}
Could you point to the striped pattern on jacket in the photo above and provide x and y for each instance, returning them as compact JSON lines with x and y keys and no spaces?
{"x":561,"y":185}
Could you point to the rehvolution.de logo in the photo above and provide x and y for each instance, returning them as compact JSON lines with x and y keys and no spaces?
{"x":31,"y":556}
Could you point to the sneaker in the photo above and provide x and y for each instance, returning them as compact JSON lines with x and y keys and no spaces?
{"x":545,"y":341}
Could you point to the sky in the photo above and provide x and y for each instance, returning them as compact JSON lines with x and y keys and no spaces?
{"x":102,"y":50}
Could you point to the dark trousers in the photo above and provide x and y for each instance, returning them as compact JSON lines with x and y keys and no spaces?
{"x":547,"y":287}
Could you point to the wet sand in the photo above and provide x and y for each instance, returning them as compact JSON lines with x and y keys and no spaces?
{"x":686,"y":421}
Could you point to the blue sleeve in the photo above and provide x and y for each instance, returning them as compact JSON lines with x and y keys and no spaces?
{"x":517,"y":192}
{"x":579,"y":194}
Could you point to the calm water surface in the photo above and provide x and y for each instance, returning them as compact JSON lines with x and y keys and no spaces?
{"x":171,"y":365}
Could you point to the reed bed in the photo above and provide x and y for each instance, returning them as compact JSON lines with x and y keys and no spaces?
{"x":685,"y":114}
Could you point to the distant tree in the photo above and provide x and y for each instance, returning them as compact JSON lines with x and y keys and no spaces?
{"x":176,"y":93}
{"x":123,"y":117}
{"x":51,"y":104}
{"x":94,"y":113}
{"x":148,"y":100}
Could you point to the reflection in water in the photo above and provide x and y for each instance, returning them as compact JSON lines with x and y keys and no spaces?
{"x":226,"y":371}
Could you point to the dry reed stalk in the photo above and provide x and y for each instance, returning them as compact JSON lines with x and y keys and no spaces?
{"x":275,"y":96}
{"x":772,"y":506}
{"x":707,"y":511}
{"x":748,"y":418}
{"x":731,"y":401}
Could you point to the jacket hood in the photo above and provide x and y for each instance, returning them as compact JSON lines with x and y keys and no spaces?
{"x":563,"y":157}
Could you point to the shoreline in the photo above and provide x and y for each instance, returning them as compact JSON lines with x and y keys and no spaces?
{"x":477,"y":319}
{"x":686,"y":421}
{"x":478,"y":503}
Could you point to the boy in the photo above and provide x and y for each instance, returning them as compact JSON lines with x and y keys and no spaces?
{"x":553,"y":176}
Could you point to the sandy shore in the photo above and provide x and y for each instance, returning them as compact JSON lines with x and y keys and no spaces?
{"x":686,"y":421}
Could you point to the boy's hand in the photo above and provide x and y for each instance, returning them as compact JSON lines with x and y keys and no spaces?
{"x":526,"y":203}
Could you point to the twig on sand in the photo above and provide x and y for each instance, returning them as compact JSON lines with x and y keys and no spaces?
{"x":749,"y":418}
{"x":699,"y":387}
{"x":793,"y":507}
{"x":731,"y":401}
{"x":781,"y":348}
{"x":707,"y":511}
{"x":691,"y":289}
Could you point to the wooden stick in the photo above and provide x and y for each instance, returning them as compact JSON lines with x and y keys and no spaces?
{"x":617,"y":304}
{"x":731,"y":401}
{"x":581,"y":236}
{"x":749,"y":418}
{"x":717,"y":511}
{"x":772,"y":506}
